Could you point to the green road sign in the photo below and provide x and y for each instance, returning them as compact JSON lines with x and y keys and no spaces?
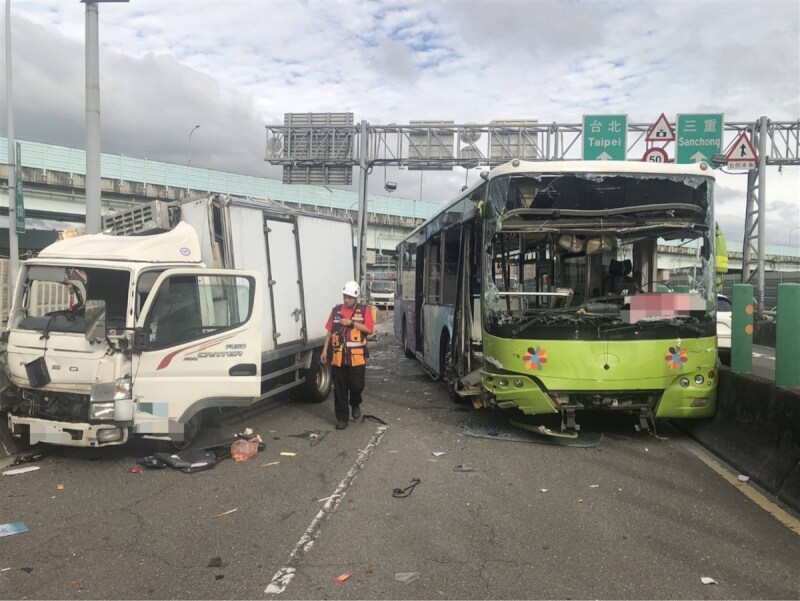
{"x":699,"y":137}
{"x":19,"y":205}
{"x":605,"y":137}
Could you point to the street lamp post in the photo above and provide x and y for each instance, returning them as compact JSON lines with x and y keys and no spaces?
{"x":92,"y":42}
{"x":189,"y":152}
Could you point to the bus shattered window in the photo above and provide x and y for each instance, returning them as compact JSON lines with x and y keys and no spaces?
{"x":576,"y":256}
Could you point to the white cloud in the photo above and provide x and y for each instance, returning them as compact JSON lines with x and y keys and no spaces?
{"x":235,"y":66}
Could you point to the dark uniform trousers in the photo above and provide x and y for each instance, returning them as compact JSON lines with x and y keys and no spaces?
{"x":348,"y":382}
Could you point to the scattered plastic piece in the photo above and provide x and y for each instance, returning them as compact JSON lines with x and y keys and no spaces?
{"x":270,"y":463}
{"x":327,"y":498}
{"x":219,"y":576}
{"x":287,"y":454}
{"x":580,"y":500}
{"x":21,"y":470}
{"x":151,"y":462}
{"x":135,"y":470}
{"x":406,"y":577}
{"x":215,"y":562}
{"x":707,"y":580}
{"x":438,"y":453}
{"x":27,"y":570}
{"x":343,"y":577}
{"x":12,"y":528}
{"x":646,"y":450}
{"x":219,"y":515}
{"x":60,"y":486}
{"x":28,"y":458}
{"x":594,"y":486}
{"x":743,"y":478}
{"x":464,"y":467}
{"x":543,"y":489}
{"x":492,"y":432}
{"x":5,"y":570}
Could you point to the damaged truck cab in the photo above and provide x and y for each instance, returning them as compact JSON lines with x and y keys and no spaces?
{"x":176,"y":310}
{"x":115,"y":336}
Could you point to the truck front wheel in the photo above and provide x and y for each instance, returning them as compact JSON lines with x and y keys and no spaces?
{"x":191,"y":430}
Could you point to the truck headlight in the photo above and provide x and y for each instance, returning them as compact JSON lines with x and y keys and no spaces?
{"x":122,"y":388}
{"x":117,"y":390}
{"x":101,"y":410}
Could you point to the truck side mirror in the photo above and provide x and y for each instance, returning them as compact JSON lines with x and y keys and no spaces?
{"x":141,"y":340}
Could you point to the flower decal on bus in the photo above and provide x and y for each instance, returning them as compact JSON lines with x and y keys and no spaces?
{"x":676,"y":357}
{"x":535,"y":358}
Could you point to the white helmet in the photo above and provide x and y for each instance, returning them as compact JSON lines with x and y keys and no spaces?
{"x":351,"y":288}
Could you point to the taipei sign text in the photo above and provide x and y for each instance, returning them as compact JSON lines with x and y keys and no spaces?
{"x":605,"y":137}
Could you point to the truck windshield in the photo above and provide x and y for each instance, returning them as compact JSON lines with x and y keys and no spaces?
{"x":382,"y":287}
{"x":65,"y":299}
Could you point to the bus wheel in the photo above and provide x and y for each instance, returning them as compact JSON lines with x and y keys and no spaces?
{"x":407,"y":352}
{"x":318,"y":380}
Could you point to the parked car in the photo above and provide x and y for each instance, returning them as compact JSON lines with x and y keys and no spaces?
{"x":724,"y":315}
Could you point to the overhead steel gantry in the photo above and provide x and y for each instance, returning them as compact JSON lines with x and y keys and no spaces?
{"x":322,"y":148}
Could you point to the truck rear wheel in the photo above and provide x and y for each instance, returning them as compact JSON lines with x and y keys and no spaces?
{"x":318,"y":380}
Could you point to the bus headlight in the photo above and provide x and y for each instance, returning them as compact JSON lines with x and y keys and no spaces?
{"x":684,"y":382}
{"x":698,"y":379}
{"x":503,"y":382}
{"x":518,"y":383}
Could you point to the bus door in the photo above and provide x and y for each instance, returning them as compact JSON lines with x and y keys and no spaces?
{"x":419,"y":295}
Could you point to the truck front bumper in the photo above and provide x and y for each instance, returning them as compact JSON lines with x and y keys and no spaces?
{"x":67,"y":433}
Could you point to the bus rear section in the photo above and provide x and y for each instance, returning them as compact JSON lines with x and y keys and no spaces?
{"x":577,"y":313}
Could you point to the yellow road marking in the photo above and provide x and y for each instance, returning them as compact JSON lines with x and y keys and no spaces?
{"x":791,"y":522}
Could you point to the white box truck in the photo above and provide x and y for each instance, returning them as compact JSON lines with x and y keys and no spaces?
{"x":174,"y":310}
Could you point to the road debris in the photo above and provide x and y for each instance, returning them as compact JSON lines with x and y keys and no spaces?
{"x":406,"y":577}
{"x":12,"y":528}
{"x":465,"y":467}
{"x":135,"y":470}
{"x":270,"y":463}
{"x":214,"y":562}
{"x":287,"y":454}
{"x":743,"y":478}
{"x":438,"y":453}
{"x":59,"y":487}
{"x":707,"y":580}
{"x":343,"y":577}
{"x":243,"y":449}
{"x":594,"y":486}
{"x":21,"y":470}
{"x":219,"y":515}
{"x":401,"y":493}
{"x":314,"y":437}
{"x":543,"y":489}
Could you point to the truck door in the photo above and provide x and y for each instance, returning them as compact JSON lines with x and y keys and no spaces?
{"x":197,"y":345}
{"x":288,"y":312}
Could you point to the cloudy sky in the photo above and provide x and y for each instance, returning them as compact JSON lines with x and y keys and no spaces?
{"x":235,"y":66}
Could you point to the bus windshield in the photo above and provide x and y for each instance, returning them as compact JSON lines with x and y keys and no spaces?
{"x":575,"y":256}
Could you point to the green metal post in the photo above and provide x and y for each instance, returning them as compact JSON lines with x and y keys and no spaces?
{"x":787,"y":339}
{"x":742,"y":329}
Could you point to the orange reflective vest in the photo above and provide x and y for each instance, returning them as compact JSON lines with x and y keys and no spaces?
{"x":348,"y":344}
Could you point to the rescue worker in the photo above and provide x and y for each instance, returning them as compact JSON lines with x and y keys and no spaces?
{"x":345,"y":347}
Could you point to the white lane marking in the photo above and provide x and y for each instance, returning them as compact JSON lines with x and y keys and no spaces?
{"x":283,"y":577}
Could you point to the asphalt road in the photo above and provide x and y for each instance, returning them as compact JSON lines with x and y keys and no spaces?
{"x":637,"y":516}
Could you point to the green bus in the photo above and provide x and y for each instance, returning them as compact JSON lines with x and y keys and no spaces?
{"x":539,"y":289}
